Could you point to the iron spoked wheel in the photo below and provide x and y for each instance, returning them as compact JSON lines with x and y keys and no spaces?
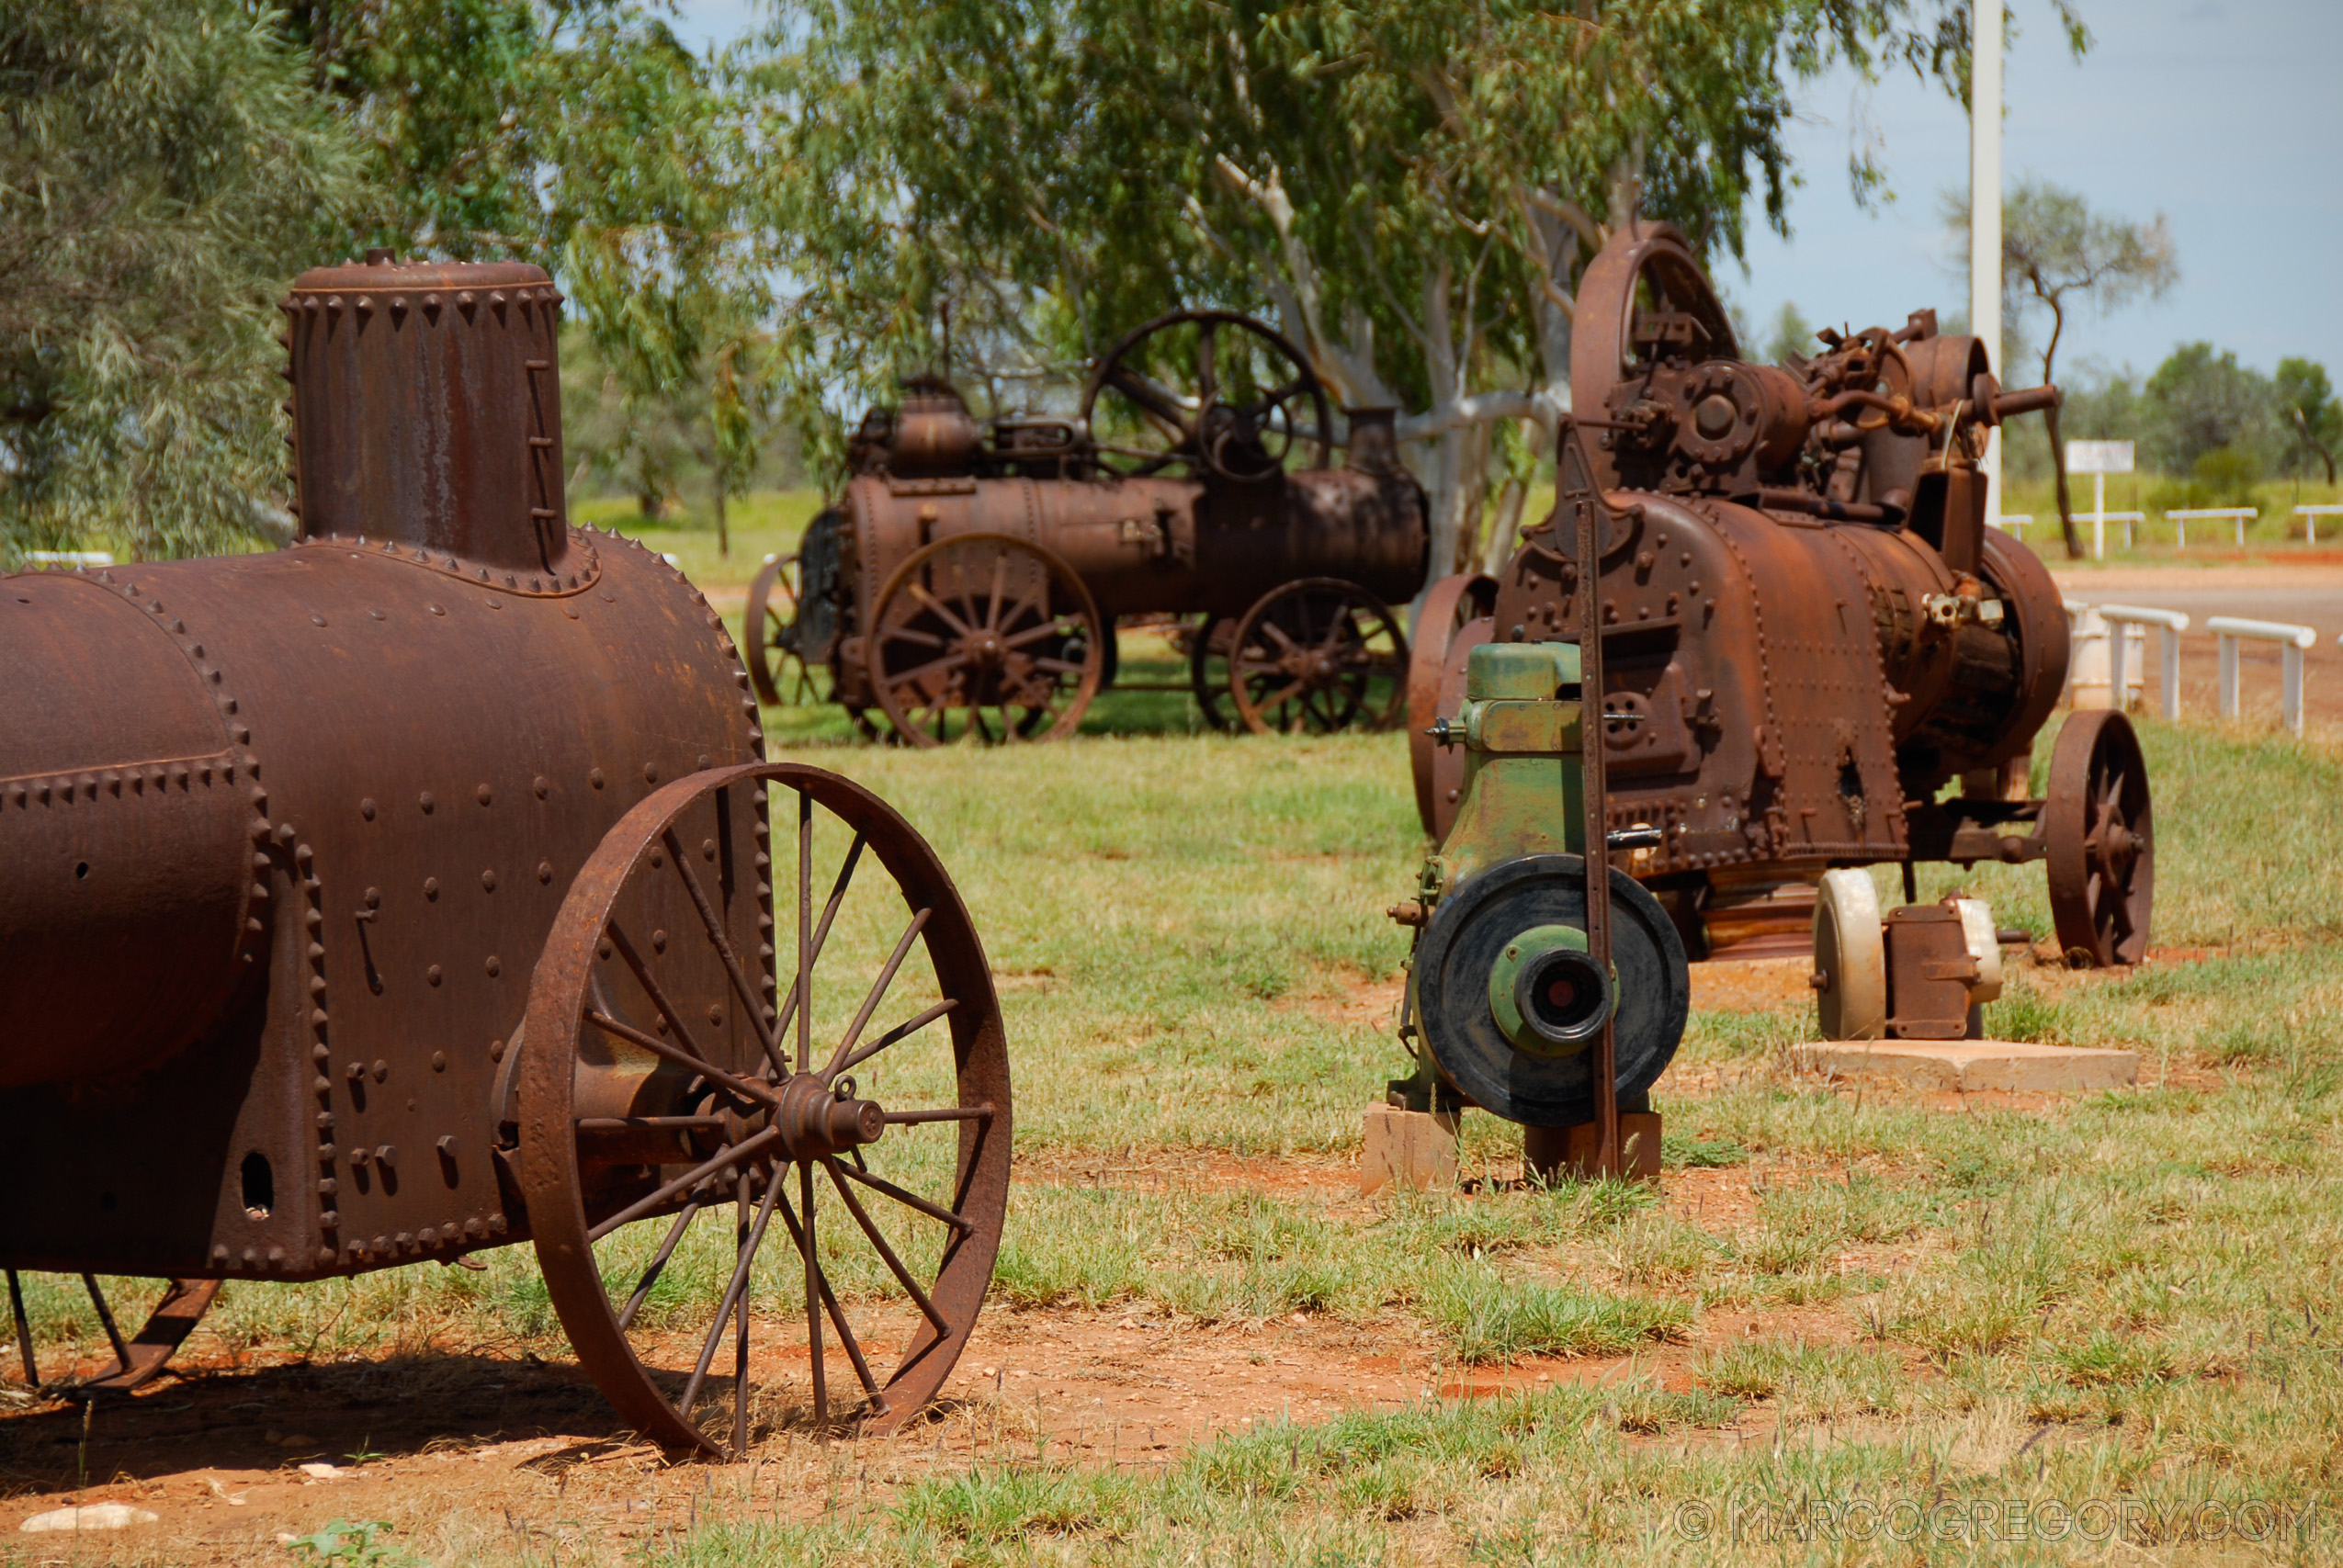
{"x":1453,"y":603}
{"x":1208,"y":670}
{"x":2099,"y":833}
{"x":989,"y":633}
{"x":778,"y":670}
{"x":671,"y":1113}
{"x":1237,"y":412}
{"x":1319,"y":655}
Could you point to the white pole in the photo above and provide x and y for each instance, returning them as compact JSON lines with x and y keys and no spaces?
{"x":2228,"y":676}
{"x":2171,"y":673}
{"x":2118,"y":681}
{"x":1985,"y":213}
{"x":2099,"y":517}
{"x":2290,"y":661}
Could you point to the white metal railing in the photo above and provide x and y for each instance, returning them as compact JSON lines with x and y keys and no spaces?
{"x":69,"y":558}
{"x":2015,"y":523}
{"x":2099,"y":522}
{"x":2092,"y":666}
{"x":2310,"y":516}
{"x":2180,"y":520}
{"x":2292,"y":640}
{"x":2172,"y":623}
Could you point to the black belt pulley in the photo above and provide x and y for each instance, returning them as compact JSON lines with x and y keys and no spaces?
{"x":1510,"y":1006}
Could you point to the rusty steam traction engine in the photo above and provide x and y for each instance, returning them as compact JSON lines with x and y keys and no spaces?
{"x":411,"y":891}
{"x":1807,"y":631}
{"x":971,"y":577}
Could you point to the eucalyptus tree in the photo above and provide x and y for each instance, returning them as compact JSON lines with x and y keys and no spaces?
{"x":165,"y":168}
{"x":582,"y":135}
{"x":1412,"y":187}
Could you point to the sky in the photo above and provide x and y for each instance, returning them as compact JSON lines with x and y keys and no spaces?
{"x":2223,"y":115}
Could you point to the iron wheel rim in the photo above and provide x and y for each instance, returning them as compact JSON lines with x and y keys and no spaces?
{"x":742,"y":1078}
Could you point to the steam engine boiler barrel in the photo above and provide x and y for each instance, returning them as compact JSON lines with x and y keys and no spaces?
{"x":212,"y":772}
{"x":127,"y":827}
{"x":194,"y":754}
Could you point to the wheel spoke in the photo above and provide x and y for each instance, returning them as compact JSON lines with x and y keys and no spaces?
{"x":903,"y":1030}
{"x":658,"y":1263}
{"x":1151,"y":399}
{"x":750,"y":1002}
{"x":908,"y":633}
{"x":822,"y":932}
{"x":911,"y":1200}
{"x":741,"y":1308}
{"x":813,"y":1295}
{"x":854,"y":1347}
{"x":749,"y":1089}
{"x":746,"y":1255}
{"x":999,"y":581}
{"x":804,"y":931}
{"x":878,"y":992}
{"x":1034,"y":634}
{"x":919,"y":673}
{"x":886,"y":1253}
{"x":1284,"y":695}
{"x":696,"y":1058}
{"x":686,"y":1182}
{"x":919,"y":591}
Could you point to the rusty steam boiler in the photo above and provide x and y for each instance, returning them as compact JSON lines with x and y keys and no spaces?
{"x":1808,"y":631}
{"x":970,"y":578}
{"x":421,"y":888}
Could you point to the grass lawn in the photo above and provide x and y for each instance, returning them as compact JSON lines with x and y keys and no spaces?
{"x":2121,"y":1304}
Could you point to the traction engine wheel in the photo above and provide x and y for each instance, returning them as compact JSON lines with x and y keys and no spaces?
{"x":1318,"y":654}
{"x":1453,"y":603}
{"x":993,"y":629}
{"x":660,"y":1085}
{"x":778,"y":670}
{"x":2098,"y":828}
{"x":1850,"y":956}
{"x":1208,"y":670}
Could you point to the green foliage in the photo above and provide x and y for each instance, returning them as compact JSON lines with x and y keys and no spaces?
{"x":165,"y":168}
{"x":2200,"y":400}
{"x":2057,"y":255}
{"x":353,"y":1545}
{"x":1791,"y":337}
{"x":2306,"y":405}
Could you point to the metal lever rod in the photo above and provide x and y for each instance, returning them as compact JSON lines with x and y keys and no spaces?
{"x":1578,"y":488}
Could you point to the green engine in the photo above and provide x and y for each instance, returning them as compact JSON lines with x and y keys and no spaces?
{"x":1504,"y":1005}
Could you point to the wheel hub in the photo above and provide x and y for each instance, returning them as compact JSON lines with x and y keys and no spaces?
{"x":815,"y":1120}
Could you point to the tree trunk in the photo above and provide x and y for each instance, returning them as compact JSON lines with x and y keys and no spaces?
{"x":2058,"y":467}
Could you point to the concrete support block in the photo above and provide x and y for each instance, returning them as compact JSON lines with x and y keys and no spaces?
{"x":1408,"y":1148}
{"x":2013,"y":1066}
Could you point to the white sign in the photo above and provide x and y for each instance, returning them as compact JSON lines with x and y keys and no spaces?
{"x":2098,"y":457}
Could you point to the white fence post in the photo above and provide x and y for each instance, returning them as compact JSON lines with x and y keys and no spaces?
{"x":2293,"y":639}
{"x":2242,"y":514}
{"x":2310,"y":516}
{"x":2172,"y":623}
